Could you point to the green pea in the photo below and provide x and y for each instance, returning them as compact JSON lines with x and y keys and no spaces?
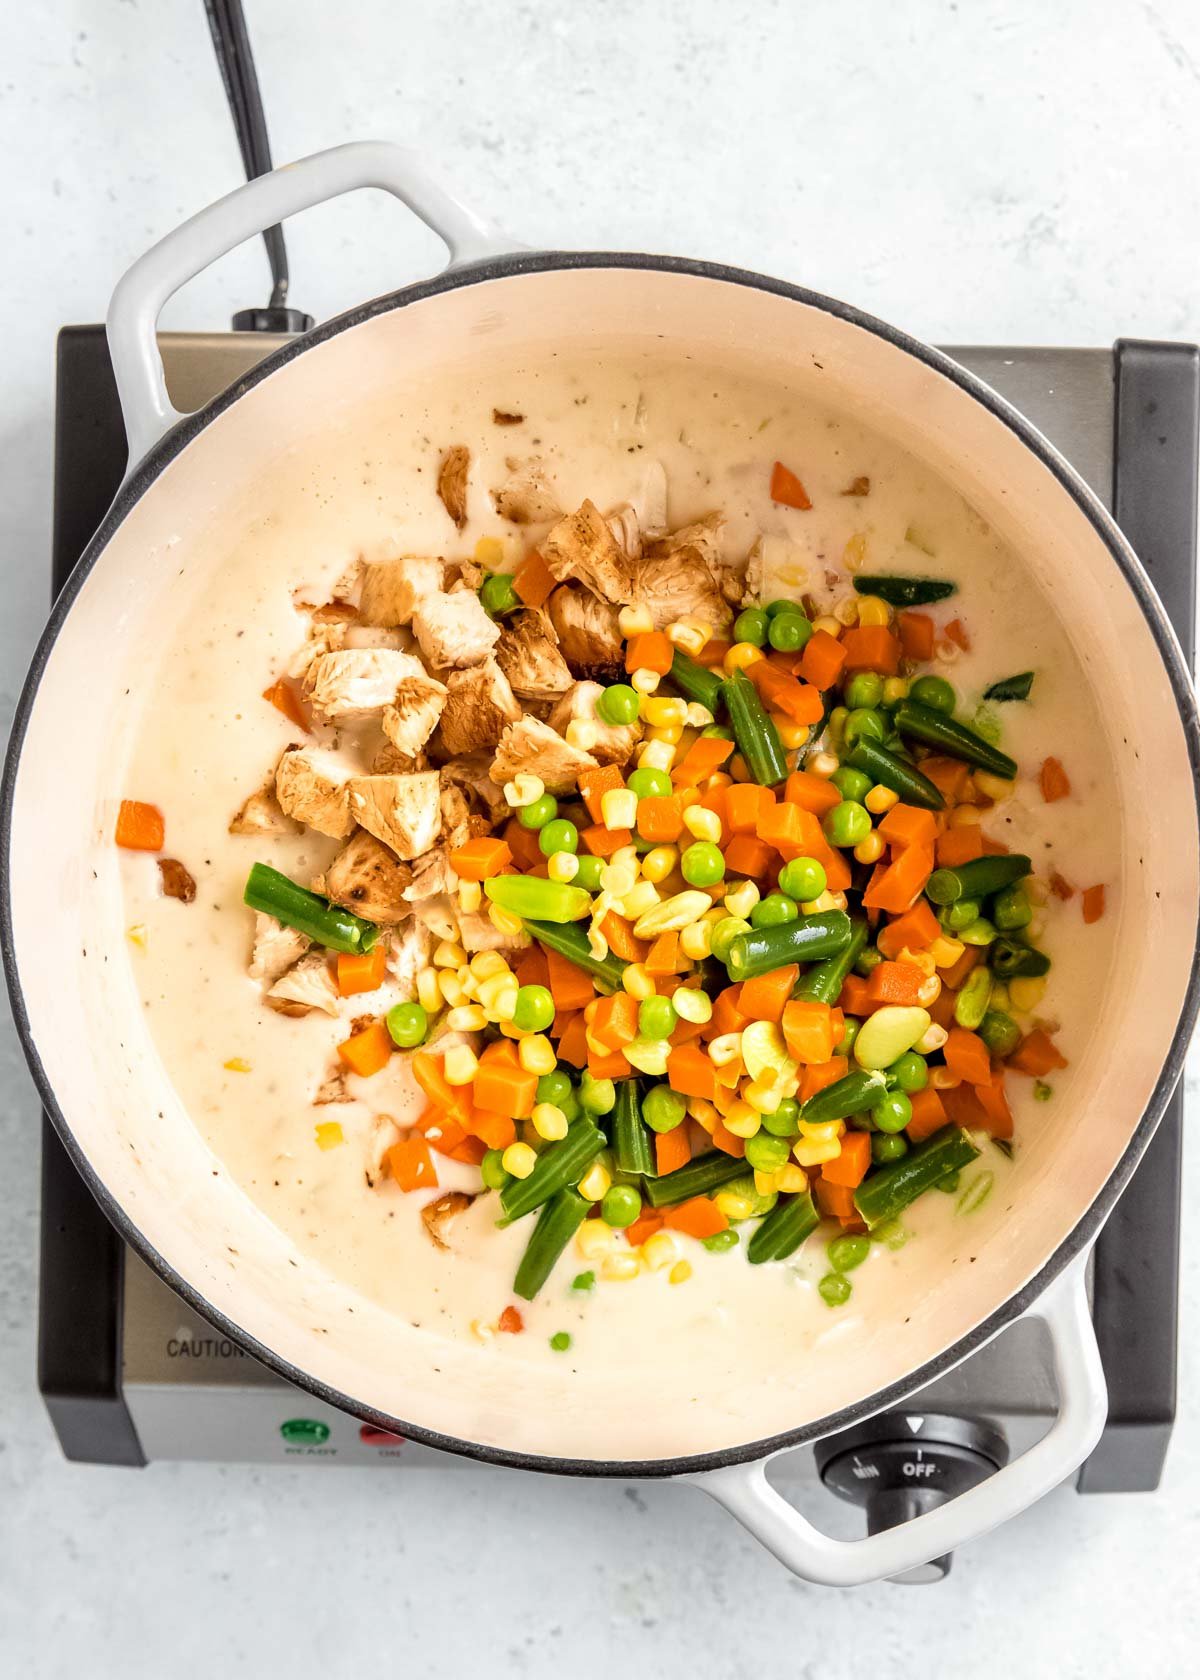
{"x":910,"y":1072}
{"x":999,"y":1032}
{"x":779,"y":605}
{"x":554,"y":1087}
{"x":650,"y":784}
{"x":955,"y":917}
{"x":803,"y":879}
{"x":497,"y":595}
{"x":721,"y":1241}
{"x":850,"y":1032}
{"x":888,"y":1146}
{"x":535,"y":1009}
{"x":751,"y":626}
{"x":491,"y":1170}
{"x":558,"y":836}
{"x":716,"y":732}
{"x":789,"y":632}
{"x":847,"y":1252}
{"x":620,"y":1206}
{"x":588,"y":874}
{"x":848,"y":824}
{"x":407,"y":1024}
{"x":834,"y":1289}
{"x":560,"y":1341}
{"x":583,"y":1281}
{"x":596,"y":1096}
{"x":702,"y":864}
{"x":865,"y":688}
{"x":773,"y":911}
{"x":1011,"y":909}
{"x":571,"y":1106}
{"x":934,"y":692}
{"x":864,"y":724}
{"x":656,"y":1017}
{"x":851,"y":783}
{"x":766,"y":1153}
{"x":619,"y":704}
{"x":663,"y":1109}
{"x":785,"y":1122}
{"x":724,"y":934}
{"x":868,"y":959}
{"x":538,"y":812}
{"x":892,"y":1112}
{"x":1041,"y":1091}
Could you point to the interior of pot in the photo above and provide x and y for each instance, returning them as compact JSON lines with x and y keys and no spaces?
{"x":84,"y":1017}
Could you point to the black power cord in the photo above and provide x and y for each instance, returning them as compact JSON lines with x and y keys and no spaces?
{"x":231,"y":42}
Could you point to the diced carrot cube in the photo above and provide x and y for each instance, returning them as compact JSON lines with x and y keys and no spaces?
{"x":367,"y":1052}
{"x":915,"y":931}
{"x":409,"y":1163}
{"x":690,"y":1072}
{"x":850,"y":1167}
{"x":602,"y":842}
{"x":1037,"y":1054}
{"x":671,"y":1150}
{"x":1056,"y":784}
{"x":594,"y":784}
{"x":872,"y":648}
{"x":140,"y":827}
{"x":928,"y":1114}
{"x":916,"y":635}
{"x":697,"y":1217}
{"x":480,"y":858}
{"x":967,"y":1055}
{"x":897,"y":888}
{"x":533,"y":581}
{"x":728,"y":1015}
{"x":812,"y":793}
{"x":908,"y":825}
{"x":895,"y":982}
{"x":787,"y":489}
{"x":660,"y":818}
{"x":764,"y":996}
{"x":822,"y":660}
{"x":808,"y":1031}
{"x":572,"y":1045}
{"x":650,"y":651}
{"x":959,"y":845}
{"x":817,"y":1075}
{"x":746,"y":854}
{"x":1093,"y":903}
{"x":745,"y":802}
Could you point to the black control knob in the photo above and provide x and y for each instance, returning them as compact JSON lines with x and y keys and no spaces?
{"x":903,"y":1464}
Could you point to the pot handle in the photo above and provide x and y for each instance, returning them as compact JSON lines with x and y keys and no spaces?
{"x":744,"y":1491}
{"x":143,"y":290}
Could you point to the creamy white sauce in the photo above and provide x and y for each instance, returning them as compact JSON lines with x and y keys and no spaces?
{"x":208,"y":739}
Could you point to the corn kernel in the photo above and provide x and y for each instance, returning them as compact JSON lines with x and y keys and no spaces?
{"x":620,"y":1268}
{"x":964,"y":816}
{"x":523,"y":789}
{"x":499,"y":997}
{"x":947,"y":652}
{"x":792,"y":1179}
{"x":482,"y":1330}
{"x":468,"y":1017}
{"x":733,"y":1204}
{"x":461,"y":1063}
{"x":672,"y":914}
{"x":688,"y":796}
{"x":489,"y":552}
{"x":504,"y":921}
{"x":946,"y":951}
{"x":595,"y":1182}
{"x":742,"y":1120}
{"x":923,"y":960}
{"x":668,"y":733}
{"x":536,"y":1054}
{"x":846,"y":611}
{"x":1026,"y":992}
{"x":929,"y":991}
{"x":662,"y":711}
{"x":870,"y":850}
{"x":642,"y":896}
{"x":741,"y":898}
{"x":933,"y":1038}
{"x":519,"y":1160}
{"x":880,"y":799}
{"x":680,"y":1272}
{"x":660,"y":1251}
{"x":648,"y":1055}
{"x":618,"y":808}
{"x":992,"y":787}
{"x":740,"y":655}
{"x":644,"y":680}
{"x":137,"y":935}
{"x":236,"y":1064}
{"x":855,"y":552}
{"x":703,"y":1113}
{"x":635,"y":621}
{"x":792,"y":735}
{"x":470,"y":897}
{"x":617,"y":879}
{"x":582,"y":733}
{"x":702,"y":823}
{"x":449,"y":955}
{"x":594,"y":1238}
{"x":692,"y":1004}
{"x":823,"y":764}
{"x":597,"y":943}
{"x":690,"y":635}
{"x":658,"y":863}
{"x":698,"y":716}
{"x":766,"y":1183}
{"x":810,"y":1154}
{"x":656,"y":755}
{"x":429,"y":993}
{"x":941,"y":1079}
{"x":485,"y":964}
{"x":831,"y":626}
{"x":453,"y":991}
{"x":637,"y":982}
{"x":562,"y":866}
{"x":695,"y":940}
{"x":470,"y":985}
{"x":626,"y":857}
{"x":815,"y":905}
{"x":549,"y":1121}
{"x":872,"y":611}
{"x":724,"y":1048}
{"x":762,"y":1097}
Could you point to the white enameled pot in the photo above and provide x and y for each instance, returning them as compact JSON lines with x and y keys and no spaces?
{"x":108,"y":1094}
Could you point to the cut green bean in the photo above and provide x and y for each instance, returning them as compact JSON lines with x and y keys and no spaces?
{"x":784,"y":1229}
{"x":824,"y":981}
{"x":568,"y":939}
{"x":696,"y":681}
{"x":807,"y":939}
{"x":557,"y":1223}
{"x":935,"y":729}
{"x":756,"y":736}
{"x":707,"y":1172}
{"x":904,"y":591}
{"x":1010,"y":688}
{"x":892,"y":772}
{"x":339,"y":930}
{"x":976,"y":879}
{"x":557,"y":1167}
{"x":532,"y":895}
{"x":854,"y":1094}
{"x":633,"y":1143}
{"x":888,"y":1190}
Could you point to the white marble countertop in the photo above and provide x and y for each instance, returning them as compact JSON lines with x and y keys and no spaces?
{"x":987,"y":172}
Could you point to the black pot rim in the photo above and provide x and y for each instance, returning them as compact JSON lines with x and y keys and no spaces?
{"x":164,"y":452}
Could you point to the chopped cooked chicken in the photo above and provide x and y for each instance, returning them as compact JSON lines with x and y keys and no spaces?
{"x":452,"y":484}
{"x":532,"y":746}
{"x":411,"y":720}
{"x":477,"y":932}
{"x":357,"y":682}
{"x":388,"y":761}
{"x":437,"y":913}
{"x":392,"y":589}
{"x":332,"y":1089}
{"x":177,"y":882}
{"x":527,"y":653}
{"x":582,"y":547}
{"x":276,"y":948}
{"x":623,"y":523}
{"x":453,"y":630}
{"x":588,"y":633}
{"x":309,"y":985}
{"x":680,"y":576}
{"x":469,"y":771}
{"x":402,"y":811}
{"x":456,"y":825}
{"x":479,"y":703}
{"x":322,"y":639}
{"x":367,"y":877}
{"x":650,"y":504}
{"x":614,"y":743}
{"x":410,"y":952}
{"x":375,"y":636}
{"x":525,"y":497}
{"x":311,"y":787}
{"x":385,"y":1131}
{"x":432,"y":871}
{"x":505,"y":417}
{"x":439,"y":1215}
{"x":263,"y":815}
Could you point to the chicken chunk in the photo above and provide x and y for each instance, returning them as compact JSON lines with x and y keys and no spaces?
{"x":479,"y":703}
{"x":402,"y":811}
{"x":432,"y":871}
{"x":308,"y":985}
{"x":469,"y":771}
{"x":525,"y":497}
{"x":452,"y":484}
{"x":368,"y":878}
{"x":412,"y":719}
{"x":623,"y":523}
{"x":681,"y":576}
{"x":453,"y":630}
{"x":533,"y":746}
{"x":276,"y":948}
{"x":614,"y":743}
{"x":392,"y":589}
{"x":310,"y":786}
{"x":589,"y":636}
{"x":357,"y":682}
{"x":582,"y":547}
{"x":410,"y":952}
{"x":477,"y":932}
{"x":528,"y":654}
{"x":263,"y":815}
